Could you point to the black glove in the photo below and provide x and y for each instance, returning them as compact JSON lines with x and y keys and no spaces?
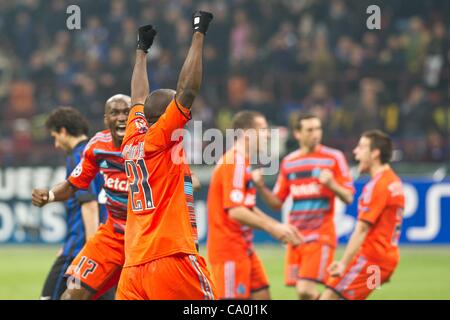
{"x":145,"y":37}
{"x":201,"y":20}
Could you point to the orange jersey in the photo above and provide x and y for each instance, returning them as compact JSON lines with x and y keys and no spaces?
{"x":381,"y":204}
{"x":313,"y":203}
{"x":231,"y":186}
{"x":101,"y":155}
{"x":161,"y":218}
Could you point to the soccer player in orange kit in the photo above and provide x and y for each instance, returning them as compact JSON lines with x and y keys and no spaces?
{"x":96,"y":268}
{"x":161,"y":251}
{"x":372,"y":253}
{"x":313,"y":176}
{"x":232,"y":215}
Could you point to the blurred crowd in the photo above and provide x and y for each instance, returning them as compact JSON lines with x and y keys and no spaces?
{"x":280,"y":57}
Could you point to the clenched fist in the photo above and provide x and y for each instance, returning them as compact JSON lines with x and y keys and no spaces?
{"x":146,"y":34}
{"x":40,"y":197}
{"x":287,"y":233}
{"x":326,"y":177}
{"x":336,"y":269}
{"x":201,"y":20}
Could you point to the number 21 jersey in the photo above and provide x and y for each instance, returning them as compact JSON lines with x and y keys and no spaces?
{"x":161,"y":218}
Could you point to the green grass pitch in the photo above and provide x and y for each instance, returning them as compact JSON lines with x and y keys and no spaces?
{"x":423,"y":272}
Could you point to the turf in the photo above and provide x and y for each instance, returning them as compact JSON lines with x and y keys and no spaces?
{"x":422,"y":273}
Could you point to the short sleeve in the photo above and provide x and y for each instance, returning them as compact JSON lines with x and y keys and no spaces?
{"x":84,"y":196}
{"x":342,"y":172}
{"x":372,"y":202}
{"x":86,"y":170}
{"x":234,"y":185}
{"x":281,"y":188}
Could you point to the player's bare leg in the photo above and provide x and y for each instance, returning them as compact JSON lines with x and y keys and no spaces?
{"x":307,"y":290}
{"x":263,"y":294}
{"x":329,"y":295}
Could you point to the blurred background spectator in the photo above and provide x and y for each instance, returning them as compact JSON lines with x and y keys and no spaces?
{"x":280,"y":57}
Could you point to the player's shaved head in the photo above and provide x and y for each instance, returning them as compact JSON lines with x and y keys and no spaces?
{"x":156,"y":103}
{"x":117,"y":98}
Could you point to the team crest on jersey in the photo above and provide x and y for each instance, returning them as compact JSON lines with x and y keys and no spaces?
{"x":236,"y":195}
{"x":241,"y":289}
{"x":77,"y":171}
{"x":141,"y":125}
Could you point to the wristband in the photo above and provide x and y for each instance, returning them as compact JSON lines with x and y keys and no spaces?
{"x":51,"y":196}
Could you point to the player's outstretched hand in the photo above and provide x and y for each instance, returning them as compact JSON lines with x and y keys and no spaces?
{"x":287,"y":233}
{"x":201,"y":20}
{"x":336,"y":269}
{"x":258,"y":178}
{"x":40,"y":197}
{"x":146,"y":34}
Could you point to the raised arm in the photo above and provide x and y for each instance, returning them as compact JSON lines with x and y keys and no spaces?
{"x":139,"y":80}
{"x":190,"y":77}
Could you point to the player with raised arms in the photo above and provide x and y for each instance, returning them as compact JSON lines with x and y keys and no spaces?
{"x":162,"y":259}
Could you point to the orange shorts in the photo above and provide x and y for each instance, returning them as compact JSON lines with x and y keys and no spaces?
{"x":176,"y":277}
{"x":238,"y":279}
{"x":308,"y":261}
{"x":360,"y":278}
{"x":98,"y":265}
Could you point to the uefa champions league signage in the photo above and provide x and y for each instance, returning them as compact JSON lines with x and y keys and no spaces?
{"x":426,"y":216}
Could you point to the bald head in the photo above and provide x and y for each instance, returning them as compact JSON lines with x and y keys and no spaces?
{"x":118,"y":98}
{"x":156,"y":103}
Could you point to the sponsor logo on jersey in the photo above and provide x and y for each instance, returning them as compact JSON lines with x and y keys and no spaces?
{"x":308,"y":189}
{"x":116,"y":184}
